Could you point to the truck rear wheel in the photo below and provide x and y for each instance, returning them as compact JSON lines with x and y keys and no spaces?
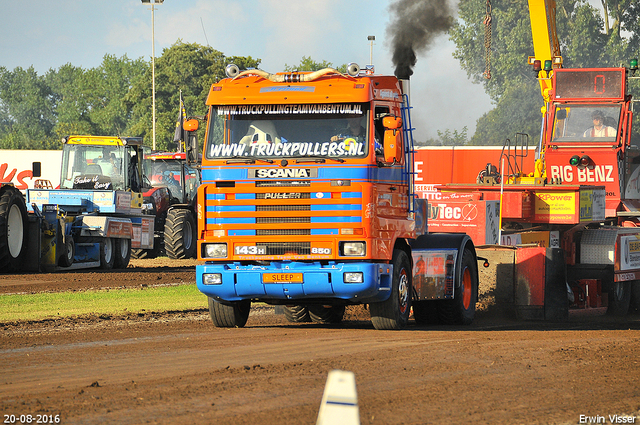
{"x":326,"y":314}
{"x":107,"y":253}
{"x":180,"y":234}
{"x":122,"y":253}
{"x":232,"y":315}
{"x":462,"y":309}
{"x":619,"y":299}
{"x":296,"y":313}
{"x":394,"y":312}
{"x":635,"y":295}
{"x":13,"y":225}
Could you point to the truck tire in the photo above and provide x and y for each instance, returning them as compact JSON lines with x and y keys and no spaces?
{"x":68,"y":251}
{"x":296,"y":313}
{"x":394,"y":312}
{"x":326,"y":314}
{"x":462,"y":309}
{"x":122,"y":253}
{"x":148,"y":253}
{"x":232,"y":315}
{"x":425,"y":312}
{"x":107,"y":253}
{"x":635,"y":295}
{"x":180,"y":234}
{"x":13,"y":229}
{"x":619,"y":299}
{"x":139,"y":253}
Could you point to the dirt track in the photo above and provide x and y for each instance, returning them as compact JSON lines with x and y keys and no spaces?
{"x":177,"y":367}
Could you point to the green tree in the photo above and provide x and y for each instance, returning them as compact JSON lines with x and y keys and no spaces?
{"x":27,"y":118}
{"x":586,"y":40}
{"x":448,"y":138}
{"x":187,"y":67}
{"x":308,"y":64}
{"x":92,"y":101}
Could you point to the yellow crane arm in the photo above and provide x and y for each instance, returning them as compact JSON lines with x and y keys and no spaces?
{"x":546,"y":47}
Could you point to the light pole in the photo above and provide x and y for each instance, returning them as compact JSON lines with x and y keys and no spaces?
{"x":371,"y":39}
{"x":153,"y":67}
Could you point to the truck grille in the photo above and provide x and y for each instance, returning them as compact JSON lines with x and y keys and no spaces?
{"x":283,"y":232}
{"x":291,"y":219}
{"x":283,"y":207}
{"x":282,"y":220}
{"x":284,"y":248}
{"x":283,"y":183}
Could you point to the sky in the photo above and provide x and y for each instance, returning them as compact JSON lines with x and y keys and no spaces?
{"x":47,"y":34}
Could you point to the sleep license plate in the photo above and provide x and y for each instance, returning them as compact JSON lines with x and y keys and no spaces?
{"x":282,"y":277}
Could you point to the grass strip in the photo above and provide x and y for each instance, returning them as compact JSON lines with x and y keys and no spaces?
{"x":40,"y":306}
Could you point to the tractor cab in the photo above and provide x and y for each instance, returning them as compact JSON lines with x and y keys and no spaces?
{"x":102,"y":163}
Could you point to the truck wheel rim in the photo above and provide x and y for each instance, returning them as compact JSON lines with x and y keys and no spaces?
{"x":403,"y":291}
{"x":466,"y":288}
{"x":15,"y":231}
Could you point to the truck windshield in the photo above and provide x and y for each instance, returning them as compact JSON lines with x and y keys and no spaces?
{"x":92,"y":167}
{"x":586,"y":123}
{"x":288,"y":131}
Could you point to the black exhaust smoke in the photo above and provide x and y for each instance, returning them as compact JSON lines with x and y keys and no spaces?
{"x":414,"y":25}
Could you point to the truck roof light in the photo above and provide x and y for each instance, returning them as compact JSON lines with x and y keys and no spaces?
{"x":547,"y":65}
{"x":537,"y":65}
{"x":633,"y":64}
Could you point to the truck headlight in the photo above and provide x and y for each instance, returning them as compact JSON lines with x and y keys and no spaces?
{"x":212,"y":279}
{"x":353,"y":249}
{"x":353,"y":277}
{"x":214,"y":250}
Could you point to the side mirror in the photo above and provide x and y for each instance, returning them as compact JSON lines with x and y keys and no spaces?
{"x":392,"y":139}
{"x":392,"y":123}
{"x":190,"y":125}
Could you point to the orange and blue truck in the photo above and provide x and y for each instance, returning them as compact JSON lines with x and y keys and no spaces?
{"x":307,"y":202}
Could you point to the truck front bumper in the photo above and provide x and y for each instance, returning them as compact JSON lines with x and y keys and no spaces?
{"x":236,"y":282}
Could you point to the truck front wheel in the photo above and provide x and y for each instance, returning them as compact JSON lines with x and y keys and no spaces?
{"x":232,"y":315}
{"x":394,"y":312}
{"x":462,"y":309}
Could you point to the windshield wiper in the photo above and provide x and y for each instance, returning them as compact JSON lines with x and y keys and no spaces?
{"x":317,"y":158}
{"x":247,"y":159}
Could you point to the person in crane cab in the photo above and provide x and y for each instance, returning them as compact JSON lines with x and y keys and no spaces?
{"x":599,"y":129}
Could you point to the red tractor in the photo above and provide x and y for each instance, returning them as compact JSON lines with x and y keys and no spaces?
{"x":171,"y":197}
